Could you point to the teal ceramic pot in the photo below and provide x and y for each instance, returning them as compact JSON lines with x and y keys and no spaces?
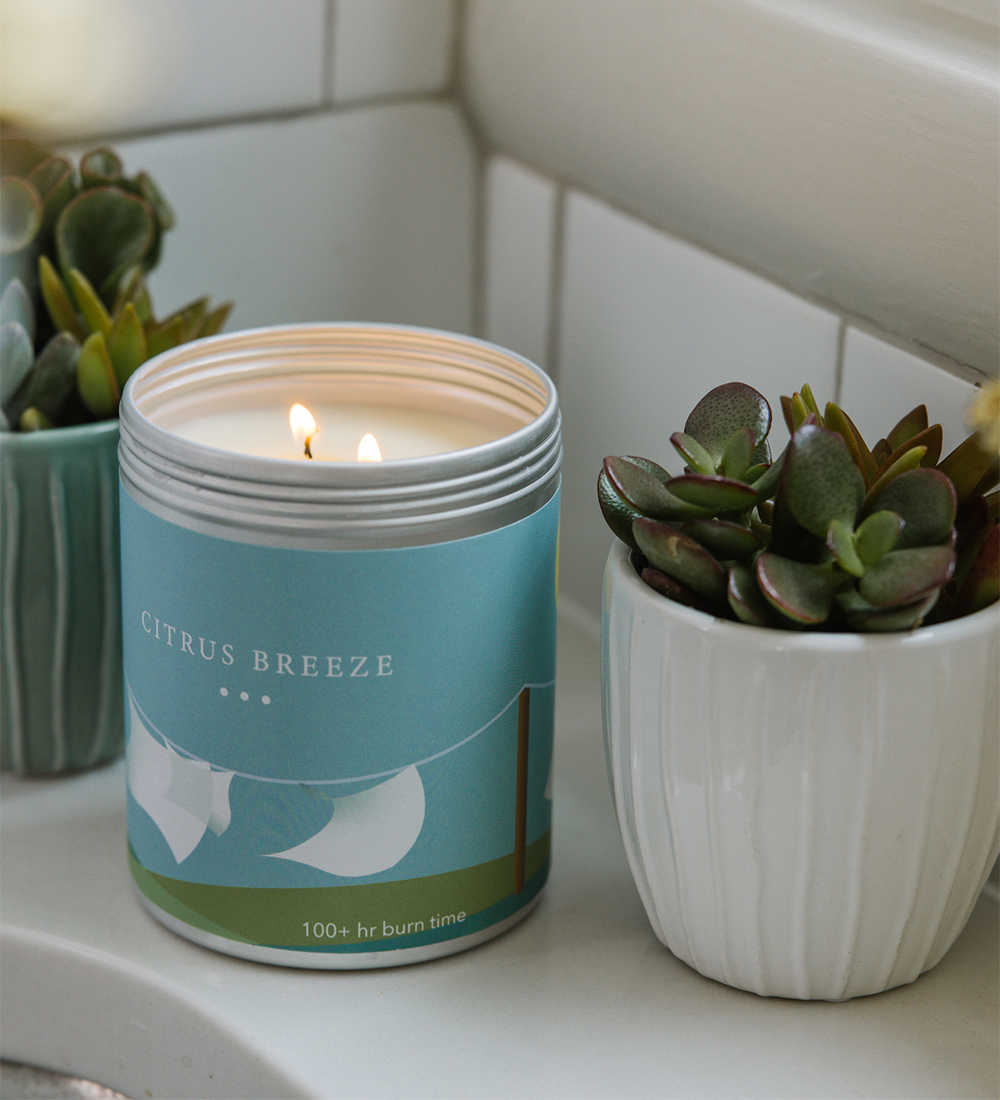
{"x":61,"y":679}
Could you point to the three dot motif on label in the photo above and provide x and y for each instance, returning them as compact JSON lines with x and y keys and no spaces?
{"x":245,"y":696}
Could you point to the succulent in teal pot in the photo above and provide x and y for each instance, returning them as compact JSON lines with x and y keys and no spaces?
{"x":830,"y":534}
{"x":77,"y":241}
{"x":77,"y":319}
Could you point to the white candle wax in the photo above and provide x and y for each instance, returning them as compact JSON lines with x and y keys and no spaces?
{"x":400,"y":432}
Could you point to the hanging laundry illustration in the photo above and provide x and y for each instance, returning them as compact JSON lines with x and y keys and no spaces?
{"x":183,"y":797}
{"x":369,"y":832}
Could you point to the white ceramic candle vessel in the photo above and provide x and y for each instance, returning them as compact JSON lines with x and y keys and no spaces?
{"x":806,"y":815}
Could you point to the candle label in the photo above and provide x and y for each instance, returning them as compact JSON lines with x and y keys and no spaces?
{"x":339,"y":751}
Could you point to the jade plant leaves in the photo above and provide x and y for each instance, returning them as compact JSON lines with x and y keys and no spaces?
{"x":679,"y":556}
{"x":821,"y":482}
{"x":800,"y":590}
{"x":20,"y":213}
{"x":727,"y":409}
{"x":103,"y":233}
{"x":925,"y":500}
{"x":903,"y":576}
{"x":832,"y":535}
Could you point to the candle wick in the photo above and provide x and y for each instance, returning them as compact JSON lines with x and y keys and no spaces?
{"x":309,"y":453}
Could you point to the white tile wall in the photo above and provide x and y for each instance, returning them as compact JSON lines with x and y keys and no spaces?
{"x":363,"y":215}
{"x":882,"y":383}
{"x":391,"y":47}
{"x":647,"y":326}
{"x":107,"y":66}
{"x":519,"y":226}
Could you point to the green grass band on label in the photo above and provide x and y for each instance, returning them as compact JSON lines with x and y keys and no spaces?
{"x":375,"y":916}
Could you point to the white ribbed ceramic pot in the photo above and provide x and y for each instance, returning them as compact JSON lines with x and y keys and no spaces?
{"x":806,"y":815}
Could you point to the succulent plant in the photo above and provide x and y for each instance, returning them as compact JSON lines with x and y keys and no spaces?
{"x":76,"y":313}
{"x":831,"y":535}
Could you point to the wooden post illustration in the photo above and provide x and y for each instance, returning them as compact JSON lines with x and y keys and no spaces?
{"x":521,"y":794}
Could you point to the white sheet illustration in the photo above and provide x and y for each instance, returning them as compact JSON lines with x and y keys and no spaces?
{"x":369,"y":832}
{"x":183,"y":797}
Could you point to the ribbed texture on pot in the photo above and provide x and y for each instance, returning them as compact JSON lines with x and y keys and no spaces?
{"x":804,"y":816}
{"x":61,"y":623}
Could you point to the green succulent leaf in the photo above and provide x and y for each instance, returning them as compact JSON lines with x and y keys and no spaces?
{"x":104,"y":232}
{"x":214,"y":321}
{"x":17,"y":354}
{"x":911,"y":425}
{"x":877,"y":535}
{"x":96,"y":378}
{"x":905,"y":576}
{"x":713,"y":493}
{"x":693,"y":453}
{"x":54,"y":181}
{"x":21,"y":212}
{"x":801,"y":591}
{"x":840,"y":541}
{"x":50,"y":383}
{"x":926,"y":502}
{"x":16,"y":306}
{"x":981,"y":585}
{"x":836,"y":420}
{"x":680,"y":557}
{"x":162,"y":337}
{"x":738,"y":455}
{"x":95,"y":316}
{"x":746,"y":600}
{"x":726,"y":409}
{"x":766,"y":485}
{"x":33,"y":420}
{"x":966,"y":466}
{"x":667,"y":586}
{"x":724,"y":539}
{"x":820,"y":481}
{"x":644,"y":492}
{"x":126,"y":344}
{"x":57,"y":300}
{"x":864,"y":616}
{"x":910,"y":459}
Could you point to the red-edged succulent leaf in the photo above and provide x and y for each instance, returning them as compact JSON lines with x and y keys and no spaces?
{"x":838,"y":421}
{"x":713,"y":493}
{"x":925,"y":500}
{"x":723,"y":539}
{"x":667,"y":586}
{"x":909,"y":460}
{"x":966,"y":467}
{"x":693,"y":453}
{"x":746,"y":600}
{"x":726,"y":409}
{"x":981,"y":584}
{"x":799,"y":590}
{"x":866,"y":617}
{"x":820,"y":482}
{"x":912,"y":424}
{"x":904,"y":576}
{"x":679,"y":556}
{"x":640,"y":488}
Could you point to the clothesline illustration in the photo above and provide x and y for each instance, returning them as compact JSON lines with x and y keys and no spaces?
{"x":367,"y":832}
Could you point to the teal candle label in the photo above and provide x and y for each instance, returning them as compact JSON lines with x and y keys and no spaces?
{"x":339,"y":751}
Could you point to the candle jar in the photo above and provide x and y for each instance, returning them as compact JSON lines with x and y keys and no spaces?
{"x":339,"y":675}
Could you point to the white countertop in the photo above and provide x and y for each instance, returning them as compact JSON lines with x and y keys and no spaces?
{"x":579,"y":1000}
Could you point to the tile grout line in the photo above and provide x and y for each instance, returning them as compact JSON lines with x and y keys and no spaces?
{"x":554,"y":312}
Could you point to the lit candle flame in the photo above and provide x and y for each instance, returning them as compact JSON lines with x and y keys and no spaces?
{"x":368,"y":449}
{"x":303,"y":426}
